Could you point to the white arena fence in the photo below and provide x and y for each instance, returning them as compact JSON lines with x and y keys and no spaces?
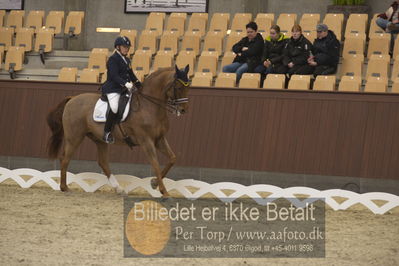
{"x":390,"y":201}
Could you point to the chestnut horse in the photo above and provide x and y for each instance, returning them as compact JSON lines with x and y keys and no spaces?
{"x":72,"y":120}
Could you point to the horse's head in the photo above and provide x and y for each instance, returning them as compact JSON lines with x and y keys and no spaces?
{"x":178,"y":94}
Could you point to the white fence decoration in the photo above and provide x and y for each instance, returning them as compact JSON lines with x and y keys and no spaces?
{"x":202,"y":188}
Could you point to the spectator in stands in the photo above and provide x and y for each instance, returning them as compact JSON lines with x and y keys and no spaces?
{"x":272,"y":59}
{"x":325,"y":50}
{"x":296,"y":53}
{"x":248,"y":52}
{"x":389,"y":21}
{"x":120,"y":77}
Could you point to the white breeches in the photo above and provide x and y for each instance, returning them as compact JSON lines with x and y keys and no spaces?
{"x":113,"y":99}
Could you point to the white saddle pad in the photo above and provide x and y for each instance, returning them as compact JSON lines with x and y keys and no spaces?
{"x":100,"y":111}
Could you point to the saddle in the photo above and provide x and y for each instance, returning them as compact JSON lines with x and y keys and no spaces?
{"x":102,"y":108}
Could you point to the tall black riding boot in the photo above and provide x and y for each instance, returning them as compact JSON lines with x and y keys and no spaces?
{"x":109,"y":125}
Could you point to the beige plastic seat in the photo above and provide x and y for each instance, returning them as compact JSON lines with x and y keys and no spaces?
{"x":178,"y":14}
{"x":375,"y":29}
{"x":351,"y":67}
{"x":54,"y":20}
{"x":203,"y":16}
{"x":335,"y":23}
{"x":220,"y":22}
{"x":264,"y":25}
{"x":155,"y":22}
{"x":24,"y":38}
{"x":350,"y":83}
{"x":163,"y":59}
{"x":324,"y":83}
{"x":176,"y":24}
{"x":74,"y":23}
{"x":353,"y":45}
{"x":131,"y":34}
{"x":169,"y":43}
{"x":197,"y":25}
{"x":274,"y":81}
{"x":265,"y":15}
{"x":68,"y":74}
{"x":191,"y":43}
{"x":286,"y":22}
{"x":226,"y":80}
{"x":356,"y":23}
{"x":6,"y":35}
{"x":217,"y":15}
{"x":35,"y":19}
{"x":213,"y":42}
{"x":378,"y":66}
{"x":14,"y":60}
{"x":227,"y":58}
{"x":148,"y":42}
{"x":141,"y":62}
{"x":310,"y":35}
{"x":234,"y":38}
{"x":299,"y":82}
{"x":239,"y":21}
{"x":186,"y":58}
{"x":44,"y":42}
{"x":376,"y":84}
{"x":208,"y":62}
{"x":379,"y":44}
{"x":250,"y":81}
{"x":202,"y":79}
{"x":309,"y":22}
{"x":15,"y":19}
{"x":98,"y":59}
{"x":89,"y":75}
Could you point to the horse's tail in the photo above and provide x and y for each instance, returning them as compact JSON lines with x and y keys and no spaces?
{"x":54,"y":121}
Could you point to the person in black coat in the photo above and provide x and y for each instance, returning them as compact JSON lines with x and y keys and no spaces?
{"x":297,"y":52}
{"x":326,"y":50}
{"x":120,"y":77}
{"x":248,"y":52}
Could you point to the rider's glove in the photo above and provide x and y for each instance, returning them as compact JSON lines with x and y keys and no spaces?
{"x":138,"y":84}
{"x":129,"y":85}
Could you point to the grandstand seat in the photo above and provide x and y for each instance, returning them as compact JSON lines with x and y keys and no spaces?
{"x":68,"y":74}
{"x":148,"y":42}
{"x":197,"y":25}
{"x":178,"y":14}
{"x":155,"y":22}
{"x":98,"y":59}
{"x":226,"y":80}
{"x":379,"y":44}
{"x":335,"y":23}
{"x":169,"y":42}
{"x":141,"y":62}
{"x":202,"y":79}
{"x":352,"y":66}
{"x":286,"y":22}
{"x":324,"y":83}
{"x":274,"y":81}
{"x":227,"y":58}
{"x":208,"y":62}
{"x":74,"y":22}
{"x":186,"y":58}
{"x":350,"y":83}
{"x":299,"y":82}
{"x":239,"y":21}
{"x":356,"y":23}
{"x":309,"y":22}
{"x":14,"y":60}
{"x":265,"y":15}
{"x":2,"y":15}
{"x":250,"y":81}
{"x":374,"y":28}
{"x":54,"y":20}
{"x":15,"y":19}
{"x":191,"y":43}
{"x":24,"y":38}
{"x":219,"y":24}
{"x":234,"y":38}
{"x":353,"y":45}
{"x":44,"y":42}
{"x":6,"y":35}
{"x":163,"y":59}
{"x":176,"y":24}
{"x":35,"y":20}
{"x":89,"y":75}
{"x":396,"y":48}
{"x":264,"y":24}
{"x":213,"y":42}
{"x":131,"y":34}
{"x":203,"y":16}
{"x":225,"y":16}
{"x":310,"y":35}
{"x":378,"y":66}
{"x":376,"y":84}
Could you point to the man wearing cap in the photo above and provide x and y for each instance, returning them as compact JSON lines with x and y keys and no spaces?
{"x":325,"y":51}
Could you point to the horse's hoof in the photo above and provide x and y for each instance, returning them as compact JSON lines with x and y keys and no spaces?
{"x":154,"y":183}
{"x":64,"y":189}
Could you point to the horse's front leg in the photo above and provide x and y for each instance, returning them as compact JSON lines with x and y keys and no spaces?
{"x":164,"y":148}
{"x":151,"y":152}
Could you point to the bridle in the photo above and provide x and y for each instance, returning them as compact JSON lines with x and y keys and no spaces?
{"x":172,"y":105}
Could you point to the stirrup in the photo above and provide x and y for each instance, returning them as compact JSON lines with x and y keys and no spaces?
{"x":108,"y":138}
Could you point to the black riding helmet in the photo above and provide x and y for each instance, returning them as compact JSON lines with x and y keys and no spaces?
{"x":122,"y":40}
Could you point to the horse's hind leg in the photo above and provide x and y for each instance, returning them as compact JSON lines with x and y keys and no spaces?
{"x":69,"y":149}
{"x":164,"y":148}
{"x":102,"y":150}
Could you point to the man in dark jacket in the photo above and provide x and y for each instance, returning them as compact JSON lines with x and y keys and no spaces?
{"x":272,"y":59}
{"x":120,"y":77}
{"x":325,"y":52}
{"x":248,"y":52}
